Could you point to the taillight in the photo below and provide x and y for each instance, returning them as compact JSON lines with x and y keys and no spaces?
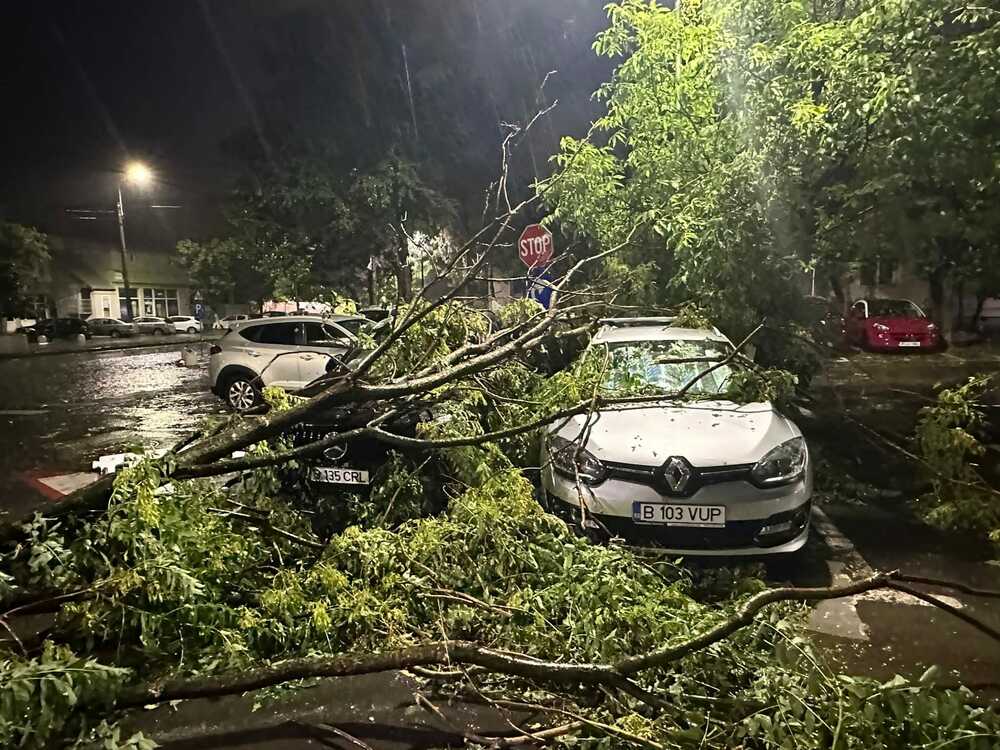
{"x":214,"y":349}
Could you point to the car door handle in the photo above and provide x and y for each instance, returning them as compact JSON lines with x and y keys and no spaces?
{"x":306,"y":357}
{"x":252,"y":353}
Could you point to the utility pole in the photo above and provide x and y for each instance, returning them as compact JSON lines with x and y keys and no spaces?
{"x":124,"y":250}
{"x":137,"y":174}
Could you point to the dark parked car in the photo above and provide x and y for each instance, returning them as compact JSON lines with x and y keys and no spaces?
{"x":111,"y":327}
{"x":56,"y":328}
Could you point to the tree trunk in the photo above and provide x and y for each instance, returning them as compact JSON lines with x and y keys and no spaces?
{"x":941,"y":300}
{"x":960,"y":323}
{"x":404,"y":276}
{"x":981,"y":298}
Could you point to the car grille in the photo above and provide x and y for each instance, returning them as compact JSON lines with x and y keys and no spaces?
{"x":653,"y":476}
{"x":302,"y":434}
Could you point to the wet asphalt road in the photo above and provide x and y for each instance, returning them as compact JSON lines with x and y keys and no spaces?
{"x":59,"y":412}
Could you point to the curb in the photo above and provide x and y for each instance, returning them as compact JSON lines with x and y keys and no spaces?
{"x":118,"y":345}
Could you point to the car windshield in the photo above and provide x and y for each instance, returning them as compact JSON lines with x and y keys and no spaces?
{"x":893,"y":308}
{"x":667,"y":366}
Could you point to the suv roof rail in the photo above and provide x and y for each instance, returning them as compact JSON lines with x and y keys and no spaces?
{"x":627,"y":322}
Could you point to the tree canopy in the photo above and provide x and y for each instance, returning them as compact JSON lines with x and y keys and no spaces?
{"x":757,"y":138}
{"x":24,"y":263}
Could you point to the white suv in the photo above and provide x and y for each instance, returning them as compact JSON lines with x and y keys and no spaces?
{"x":186,"y":323}
{"x":289,"y":352}
{"x":706,"y":476}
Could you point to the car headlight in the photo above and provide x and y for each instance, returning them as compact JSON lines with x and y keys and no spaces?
{"x":781,"y":465}
{"x":572,"y":461}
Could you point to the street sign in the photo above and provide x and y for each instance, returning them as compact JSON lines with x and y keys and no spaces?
{"x":535,"y":246}
{"x":539,"y":286}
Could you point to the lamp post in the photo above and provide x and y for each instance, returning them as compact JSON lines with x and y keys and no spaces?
{"x":137,"y":174}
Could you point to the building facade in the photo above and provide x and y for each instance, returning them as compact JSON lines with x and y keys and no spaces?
{"x":86,"y":280}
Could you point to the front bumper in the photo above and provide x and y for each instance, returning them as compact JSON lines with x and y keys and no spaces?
{"x":903,"y":343}
{"x":758,"y":521}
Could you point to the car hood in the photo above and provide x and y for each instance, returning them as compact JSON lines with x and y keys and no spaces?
{"x":903,"y":325}
{"x":706,"y":433}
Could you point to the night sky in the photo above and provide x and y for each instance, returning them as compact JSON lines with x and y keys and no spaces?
{"x":182,"y":84}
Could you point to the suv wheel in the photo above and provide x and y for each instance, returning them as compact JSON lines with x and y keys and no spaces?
{"x":241,"y":393}
{"x":192,"y":329}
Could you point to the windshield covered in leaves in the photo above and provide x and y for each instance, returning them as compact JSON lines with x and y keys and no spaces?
{"x":667,"y":366}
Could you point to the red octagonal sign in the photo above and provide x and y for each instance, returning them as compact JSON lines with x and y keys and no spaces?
{"x":535,"y":246}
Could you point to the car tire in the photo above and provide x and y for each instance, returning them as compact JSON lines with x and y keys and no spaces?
{"x":241,"y":393}
{"x":192,"y":330}
{"x":115,"y":334}
{"x":157,"y":331}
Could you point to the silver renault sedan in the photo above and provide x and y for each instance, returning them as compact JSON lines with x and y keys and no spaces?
{"x":700,"y":476}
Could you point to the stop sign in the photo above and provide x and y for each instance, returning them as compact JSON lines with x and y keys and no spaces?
{"x":535,"y":246}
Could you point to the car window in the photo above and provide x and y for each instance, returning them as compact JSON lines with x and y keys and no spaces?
{"x":324,"y":335}
{"x":859,"y":309}
{"x":275,"y":333}
{"x":666,"y":366}
{"x":894,"y":308}
{"x":352,"y":325}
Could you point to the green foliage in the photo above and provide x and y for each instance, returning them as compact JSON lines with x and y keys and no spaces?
{"x":692,"y":316}
{"x":446,"y":328}
{"x":947,"y":439}
{"x":749,"y":386}
{"x":38,"y":697}
{"x":24,"y":263}
{"x":216,"y":268}
{"x":744,"y":140}
{"x":316,"y":220}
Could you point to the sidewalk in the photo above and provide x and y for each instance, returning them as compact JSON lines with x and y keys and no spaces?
{"x":106,"y":343}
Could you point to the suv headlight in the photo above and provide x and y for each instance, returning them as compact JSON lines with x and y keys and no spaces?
{"x":572,"y":461}
{"x":781,"y":465}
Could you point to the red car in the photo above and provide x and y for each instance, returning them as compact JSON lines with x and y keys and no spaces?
{"x":889,"y":325}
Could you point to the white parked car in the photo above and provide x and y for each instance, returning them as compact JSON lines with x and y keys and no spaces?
{"x":706,"y":476}
{"x":186,"y":323}
{"x":155,"y":326}
{"x":289,"y":352}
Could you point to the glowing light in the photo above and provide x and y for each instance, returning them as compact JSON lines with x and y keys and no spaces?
{"x":138,"y":174}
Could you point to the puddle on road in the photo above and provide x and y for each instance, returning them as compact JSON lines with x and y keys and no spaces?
{"x":86,"y":405}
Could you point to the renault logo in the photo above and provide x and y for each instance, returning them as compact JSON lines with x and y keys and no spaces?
{"x":677,"y":473}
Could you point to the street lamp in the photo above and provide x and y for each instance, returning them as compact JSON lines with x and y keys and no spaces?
{"x":138,"y":174}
